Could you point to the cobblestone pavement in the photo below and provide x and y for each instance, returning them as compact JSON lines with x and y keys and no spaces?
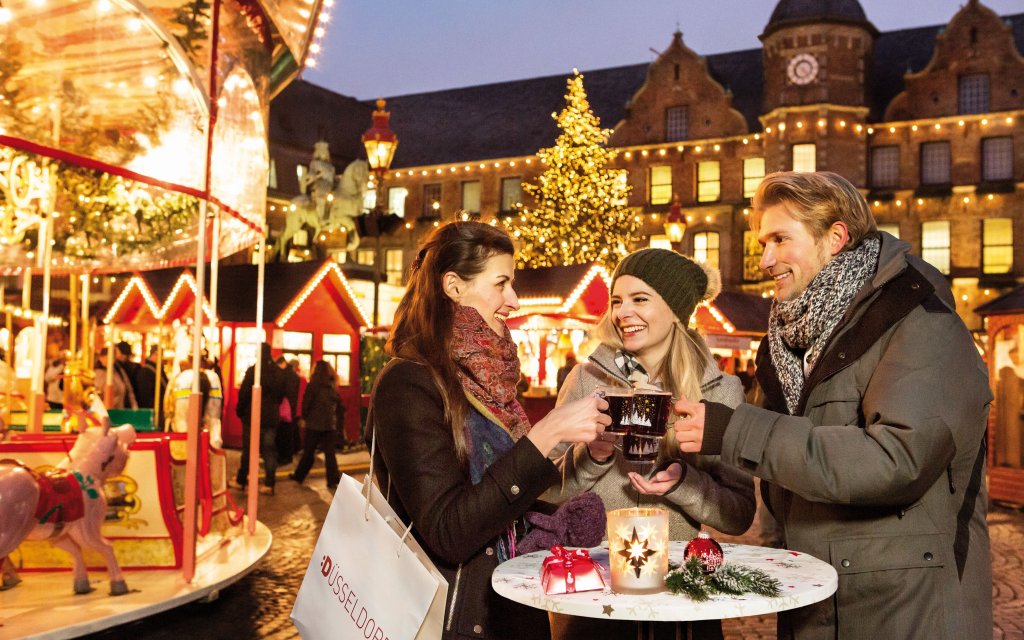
{"x":258,"y":605}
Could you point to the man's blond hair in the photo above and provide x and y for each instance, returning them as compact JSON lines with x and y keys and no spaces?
{"x":818,"y":200}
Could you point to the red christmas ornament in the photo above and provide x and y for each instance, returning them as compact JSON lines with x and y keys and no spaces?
{"x":707,"y":550}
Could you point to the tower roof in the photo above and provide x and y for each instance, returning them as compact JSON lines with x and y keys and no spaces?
{"x":793,"y":12}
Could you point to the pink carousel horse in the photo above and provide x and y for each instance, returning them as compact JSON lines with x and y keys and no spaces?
{"x":65,"y":505}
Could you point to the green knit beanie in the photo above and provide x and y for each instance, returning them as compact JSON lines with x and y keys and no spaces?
{"x":680,"y":281}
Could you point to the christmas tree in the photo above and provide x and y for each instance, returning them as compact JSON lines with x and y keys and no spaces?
{"x":579,"y":211}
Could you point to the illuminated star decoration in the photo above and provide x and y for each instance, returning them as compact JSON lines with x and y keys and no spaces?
{"x":636,"y":552}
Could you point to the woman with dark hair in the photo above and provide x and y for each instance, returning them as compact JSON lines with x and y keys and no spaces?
{"x":455,"y":452}
{"x":324,"y":416}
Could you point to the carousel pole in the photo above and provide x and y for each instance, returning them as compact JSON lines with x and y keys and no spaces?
{"x":257,"y":394}
{"x":195,"y":405}
{"x":87,"y":336}
{"x":26,"y":289}
{"x":108,"y":391}
{"x":215,"y":275}
{"x":38,"y":402}
{"x":158,"y":400}
{"x":73,"y":315}
{"x":5,"y":414}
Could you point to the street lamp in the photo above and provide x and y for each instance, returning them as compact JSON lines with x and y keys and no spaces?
{"x":675,"y":223}
{"x":380,"y":142}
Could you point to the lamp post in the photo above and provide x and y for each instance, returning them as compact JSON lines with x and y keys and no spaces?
{"x":675,"y":224}
{"x":380,"y":142}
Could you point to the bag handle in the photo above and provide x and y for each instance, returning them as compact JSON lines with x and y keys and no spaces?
{"x":367,"y":481}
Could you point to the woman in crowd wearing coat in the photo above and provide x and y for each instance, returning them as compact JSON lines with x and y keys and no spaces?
{"x":645,"y":342}
{"x":455,"y":452}
{"x":324,"y":416}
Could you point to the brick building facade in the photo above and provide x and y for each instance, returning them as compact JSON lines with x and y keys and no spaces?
{"x":927,"y":122}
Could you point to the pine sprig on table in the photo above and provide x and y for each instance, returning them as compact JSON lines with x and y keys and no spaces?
{"x":732,"y":579}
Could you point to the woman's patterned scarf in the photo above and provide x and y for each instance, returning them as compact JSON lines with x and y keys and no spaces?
{"x":807,"y":323}
{"x":489,"y":368}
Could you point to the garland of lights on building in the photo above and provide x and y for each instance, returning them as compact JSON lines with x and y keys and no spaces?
{"x":580,"y":213}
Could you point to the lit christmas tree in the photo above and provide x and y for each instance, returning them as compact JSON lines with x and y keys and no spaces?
{"x":579,"y":213}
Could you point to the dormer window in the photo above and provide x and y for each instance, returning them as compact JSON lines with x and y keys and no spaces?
{"x":676,"y":124}
{"x":974,"y":93}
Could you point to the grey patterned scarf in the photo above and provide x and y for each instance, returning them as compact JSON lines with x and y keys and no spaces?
{"x":807,"y":323}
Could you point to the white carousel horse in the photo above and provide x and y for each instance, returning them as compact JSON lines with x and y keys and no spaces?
{"x":326,"y":208}
{"x":66,"y":505}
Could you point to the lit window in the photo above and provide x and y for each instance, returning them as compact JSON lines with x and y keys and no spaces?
{"x":752,"y":258}
{"x":885,"y":167}
{"x":997,"y":159}
{"x":511,"y":194}
{"x":661,"y":184}
{"x":753,"y":173}
{"x":431,"y":200}
{"x":272,"y":175}
{"x":337,"y":351}
{"x":393,"y":266}
{"x":369,"y":199}
{"x":676,"y":124}
{"x":366,"y":256}
{"x":396,"y":200}
{"x":804,"y":157}
{"x":935,"y":162}
{"x":709,"y":185}
{"x":891,"y":228}
{"x":705,"y":248}
{"x":974,"y":93}
{"x":935,"y":244}
{"x":471,"y":196}
{"x":997,"y":245}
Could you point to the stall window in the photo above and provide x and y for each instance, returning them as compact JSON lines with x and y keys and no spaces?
{"x":247,"y":348}
{"x":393,"y":266}
{"x":935,"y":162}
{"x":805,"y":157}
{"x":935,"y":244}
{"x":885,"y":167}
{"x":997,"y":245}
{"x":709,"y":184}
{"x":676,"y":124}
{"x":511,"y":194}
{"x":661,"y":184}
{"x":753,"y":174}
{"x":366,"y":256}
{"x":338,"y":353}
{"x":431,"y":200}
{"x":705,"y":248}
{"x":997,"y":159}
{"x":298,"y":345}
{"x":974,"y":93}
{"x":396,"y":200}
{"x":752,"y":257}
{"x":471,"y":196}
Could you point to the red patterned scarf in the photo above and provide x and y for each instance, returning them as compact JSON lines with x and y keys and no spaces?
{"x":489,"y":368}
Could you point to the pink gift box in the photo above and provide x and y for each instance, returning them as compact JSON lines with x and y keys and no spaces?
{"x":570,"y":571}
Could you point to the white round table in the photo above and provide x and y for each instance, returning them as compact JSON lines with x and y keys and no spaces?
{"x":804,"y":580}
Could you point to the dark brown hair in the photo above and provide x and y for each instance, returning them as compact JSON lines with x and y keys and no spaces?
{"x":422,"y":330}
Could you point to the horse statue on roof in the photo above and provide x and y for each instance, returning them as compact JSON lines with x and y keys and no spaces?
{"x":66,"y":504}
{"x":328,"y":202}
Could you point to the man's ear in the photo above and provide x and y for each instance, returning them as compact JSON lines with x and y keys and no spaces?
{"x":837,"y":236}
{"x":453,"y":285}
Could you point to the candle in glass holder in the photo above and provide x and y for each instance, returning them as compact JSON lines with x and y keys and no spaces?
{"x":638,"y":549}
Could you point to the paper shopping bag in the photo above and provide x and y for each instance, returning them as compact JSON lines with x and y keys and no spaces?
{"x":368,"y":577}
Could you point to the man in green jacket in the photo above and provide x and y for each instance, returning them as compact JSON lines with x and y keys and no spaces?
{"x":871,"y":442}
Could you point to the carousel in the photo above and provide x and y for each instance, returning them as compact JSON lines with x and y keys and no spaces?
{"x":132,"y":138}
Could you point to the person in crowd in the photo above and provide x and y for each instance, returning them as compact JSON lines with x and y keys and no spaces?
{"x":296,"y":367}
{"x":645,"y":343}
{"x":323,"y":416}
{"x":288,"y":426}
{"x":53,"y":375}
{"x":872,"y":435}
{"x":274,"y":388}
{"x":123,"y":357}
{"x":123,"y":393}
{"x":563,"y":371}
{"x":179,"y":393}
{"x":455,"y":452}
{"x":145,"y":381}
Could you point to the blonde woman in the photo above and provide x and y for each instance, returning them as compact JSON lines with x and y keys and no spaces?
{"x":645,"y":342}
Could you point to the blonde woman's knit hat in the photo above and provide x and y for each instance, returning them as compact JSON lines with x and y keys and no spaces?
{"x":683,"y":283}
